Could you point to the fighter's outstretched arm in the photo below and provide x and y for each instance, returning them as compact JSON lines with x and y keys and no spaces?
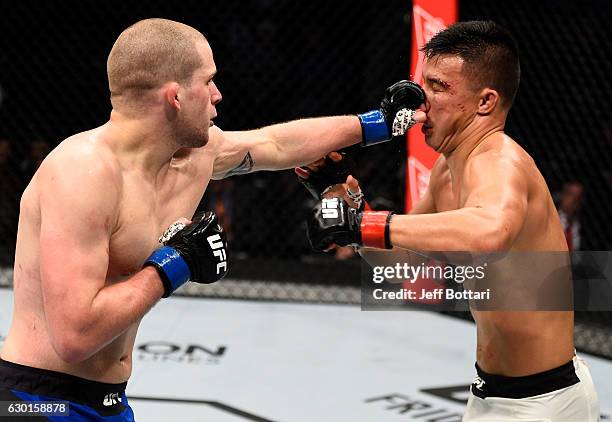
{"x":303,"y":141}
{"x":496,"y":197}
{"x":282,"y":146}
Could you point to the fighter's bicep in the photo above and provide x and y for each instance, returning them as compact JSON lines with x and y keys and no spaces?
{"x":500,"y":191}
{"x":77,"y":209}
{"x":71,"y":252}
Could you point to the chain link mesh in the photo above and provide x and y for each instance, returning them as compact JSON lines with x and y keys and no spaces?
{"x":279,"y":60}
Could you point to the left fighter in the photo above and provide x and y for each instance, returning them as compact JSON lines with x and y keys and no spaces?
{"x":88,"y":263}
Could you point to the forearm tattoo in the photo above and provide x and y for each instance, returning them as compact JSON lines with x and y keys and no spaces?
{"x":243,"y":168}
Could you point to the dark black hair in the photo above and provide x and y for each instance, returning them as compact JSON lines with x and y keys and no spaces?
{"x":489,"y":52}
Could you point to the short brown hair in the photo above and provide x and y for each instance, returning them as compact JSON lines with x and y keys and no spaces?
{"x":150,"y":53}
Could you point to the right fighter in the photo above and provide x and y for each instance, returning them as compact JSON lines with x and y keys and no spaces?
{"x":485,"y":194}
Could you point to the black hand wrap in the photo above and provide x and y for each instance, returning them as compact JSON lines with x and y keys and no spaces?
{"x":328,"y":175}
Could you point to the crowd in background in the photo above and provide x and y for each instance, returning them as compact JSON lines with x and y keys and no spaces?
{"x":235,"y":200}
{"x":281,"y":60}
{"x":15,"y":173}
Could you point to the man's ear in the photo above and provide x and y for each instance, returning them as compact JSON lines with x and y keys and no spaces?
{"x":172,"y":95}
{"x":488,"y":100}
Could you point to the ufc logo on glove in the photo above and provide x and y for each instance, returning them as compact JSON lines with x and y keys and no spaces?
{"x":195,"y":251}
{"x":329,"y":208}
{"x":216,"y":244}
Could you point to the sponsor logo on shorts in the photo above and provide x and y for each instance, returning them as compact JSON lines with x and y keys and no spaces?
{"x":478,"y":383}
{"x":111,"y":399}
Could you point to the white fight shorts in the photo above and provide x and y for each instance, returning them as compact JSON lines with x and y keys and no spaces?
{"x":563,"y":394}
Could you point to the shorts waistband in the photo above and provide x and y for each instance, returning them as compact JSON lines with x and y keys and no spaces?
{"x":489,"y":385}
{"x":58,"y":385}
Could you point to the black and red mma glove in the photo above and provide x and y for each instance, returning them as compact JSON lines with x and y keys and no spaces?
{"x":333,"y":222}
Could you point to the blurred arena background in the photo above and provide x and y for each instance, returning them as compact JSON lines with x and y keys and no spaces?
{"x":281,"y":59}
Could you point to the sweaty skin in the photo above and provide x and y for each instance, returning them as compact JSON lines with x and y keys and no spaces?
{"x":486,"y":194}
{"x":96,"y":207}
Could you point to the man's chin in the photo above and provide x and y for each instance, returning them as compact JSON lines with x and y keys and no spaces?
{"x":204,"y":138}
{"x":433,"y":146}
{"x":198,"y":142}
{"x":428,"y":142}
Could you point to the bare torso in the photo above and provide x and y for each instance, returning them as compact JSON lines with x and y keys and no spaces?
{"x":516,"y":343}
{"x":146,"y":208}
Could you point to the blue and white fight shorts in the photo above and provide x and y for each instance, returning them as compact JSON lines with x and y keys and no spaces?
{"x":30,"y":388}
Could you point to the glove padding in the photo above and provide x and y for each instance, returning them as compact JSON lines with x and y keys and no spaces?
{"x":203,"y":246}
{"x":196,"y":252}
{"x":396,"y":114}
{"x":400,"y":95}
{"x":328,"y":175}
{"x":333,"y":221}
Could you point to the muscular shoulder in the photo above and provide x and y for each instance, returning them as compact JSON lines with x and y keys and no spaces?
{"x":230,"y":151}
{"x":499,"y":155}
{"x":82,"y":167}
{"x":217,"y":142}
{"x":82,"y":153}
